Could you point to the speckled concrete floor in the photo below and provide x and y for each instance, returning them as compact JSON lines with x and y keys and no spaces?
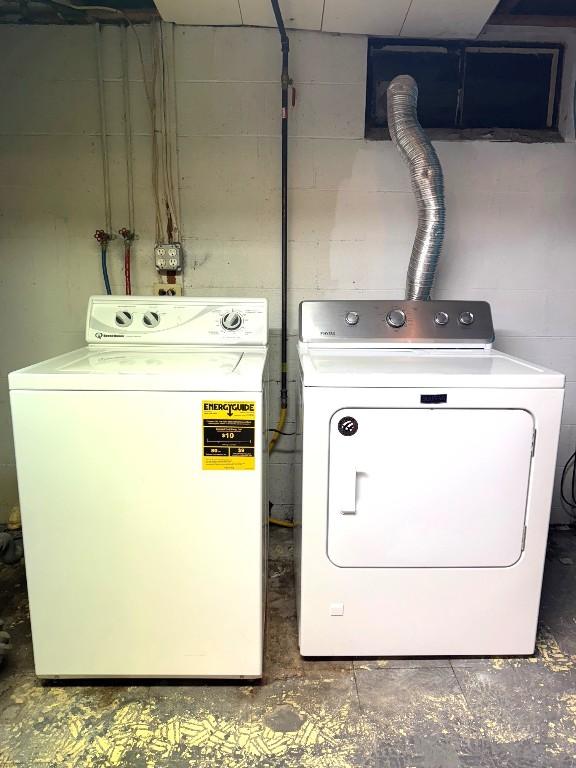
{"x":424,"y":713}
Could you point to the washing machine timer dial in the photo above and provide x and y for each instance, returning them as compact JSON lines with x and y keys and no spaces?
{"x":231,"y":321}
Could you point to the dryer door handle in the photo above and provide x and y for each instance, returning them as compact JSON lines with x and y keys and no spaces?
{"x":349,"y":492}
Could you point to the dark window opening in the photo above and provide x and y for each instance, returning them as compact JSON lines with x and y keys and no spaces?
{"x":544,"y":8}
{"x":469,"y":89}
{"x":437,"y":75}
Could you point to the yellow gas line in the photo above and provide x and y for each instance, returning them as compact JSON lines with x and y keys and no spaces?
{"x":281,"y":523}
{"x":271,"y":446}
{"x":278,"y":430}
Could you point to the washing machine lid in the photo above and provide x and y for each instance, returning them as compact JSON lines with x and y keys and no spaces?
{"x":141,"y":368}
{"x":330,"y":367}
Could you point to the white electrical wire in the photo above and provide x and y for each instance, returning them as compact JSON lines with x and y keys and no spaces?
{"x":103,"y":130}
{"x":88,"y":7}
{"x":164,"y":151}
{"x":155,"y":138}
{"x":168,"y":149}
{"x":163,"y":133}
{"x":175,"y":165}
{"x":127,"y":19}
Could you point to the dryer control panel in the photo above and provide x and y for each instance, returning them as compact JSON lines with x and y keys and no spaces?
{"x":177,"y":320}
{"x":397,"y":323}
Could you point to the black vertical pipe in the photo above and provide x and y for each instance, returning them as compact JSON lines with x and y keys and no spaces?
{"x":285,"y":42}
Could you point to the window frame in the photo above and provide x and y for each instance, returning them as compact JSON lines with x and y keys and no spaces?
{"x":462,"y":47}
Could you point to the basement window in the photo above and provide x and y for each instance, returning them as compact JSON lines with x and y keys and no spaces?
{"x":542,"y":8}
{"x":503,"y":91}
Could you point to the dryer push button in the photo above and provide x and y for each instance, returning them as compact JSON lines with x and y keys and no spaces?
{"x":396,"y":318}
{"x":352,"y":318}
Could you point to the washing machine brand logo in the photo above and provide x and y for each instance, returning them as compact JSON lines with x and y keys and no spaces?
{"x":327,"y":333}
{"x":100,"y":335}
{"x":230,"y":408}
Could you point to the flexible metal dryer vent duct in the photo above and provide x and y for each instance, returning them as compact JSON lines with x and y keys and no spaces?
{"x":427,"y":183}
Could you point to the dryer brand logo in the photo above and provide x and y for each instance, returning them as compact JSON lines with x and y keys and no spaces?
{"x":100,"y":335}
{"x":327,"y":333}
{"x":230,"y":408}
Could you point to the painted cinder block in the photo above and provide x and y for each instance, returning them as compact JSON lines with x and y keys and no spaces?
{"x":226,"y":55}
{"x":325,"y":58}
{"x":510,"y":235}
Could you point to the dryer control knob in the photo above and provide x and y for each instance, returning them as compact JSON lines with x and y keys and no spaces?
{"x":396,"y":318}
{"x":151,"y":319}
{"x":441,"y":318}
{"x":123,"y":318}
{"x":466,"y":318}
{"x":231,"y":321}
{"x":352,"y":318}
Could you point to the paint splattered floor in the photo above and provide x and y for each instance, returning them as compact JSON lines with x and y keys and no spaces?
{"x":427,"y":713}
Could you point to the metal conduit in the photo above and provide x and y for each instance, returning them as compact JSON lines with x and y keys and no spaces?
{"x":427,"y":183}
{"x":285,"y":82}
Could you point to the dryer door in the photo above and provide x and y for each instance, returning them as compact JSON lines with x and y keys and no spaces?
{"x":428,"y":488}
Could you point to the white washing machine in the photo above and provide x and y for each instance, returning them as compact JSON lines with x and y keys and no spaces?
{"x":141,"y":464}
{"x":427,"y":472}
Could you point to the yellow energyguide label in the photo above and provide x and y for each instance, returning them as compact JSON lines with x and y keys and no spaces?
{"x":229,"y":434}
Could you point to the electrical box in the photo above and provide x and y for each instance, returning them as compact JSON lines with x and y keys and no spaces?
{"x":168,"y":257}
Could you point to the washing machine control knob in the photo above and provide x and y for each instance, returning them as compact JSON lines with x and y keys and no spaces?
{"x":441,"y":318}
{"x":151,"y":319}
{"x":352,"y":318}
{"x":231,"y":321}
{"x":396,"y":318}
{"x":123,"y":318}
{"x":466,"y":318}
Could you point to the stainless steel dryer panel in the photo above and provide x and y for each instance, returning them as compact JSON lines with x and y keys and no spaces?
{"x":461,"y":323}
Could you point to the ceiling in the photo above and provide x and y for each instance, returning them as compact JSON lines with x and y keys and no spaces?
{"x":391,"y":18}
{"x":402,"y":18}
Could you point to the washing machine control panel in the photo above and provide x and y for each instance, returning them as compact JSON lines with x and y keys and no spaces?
{"x":392,"y":323}
{"x":176,"y":320}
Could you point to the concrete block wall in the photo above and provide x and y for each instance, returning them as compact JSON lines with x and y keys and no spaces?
{"x":511,"y":227}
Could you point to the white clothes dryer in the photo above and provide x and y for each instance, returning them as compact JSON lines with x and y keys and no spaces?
{"x":428,"y":464}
